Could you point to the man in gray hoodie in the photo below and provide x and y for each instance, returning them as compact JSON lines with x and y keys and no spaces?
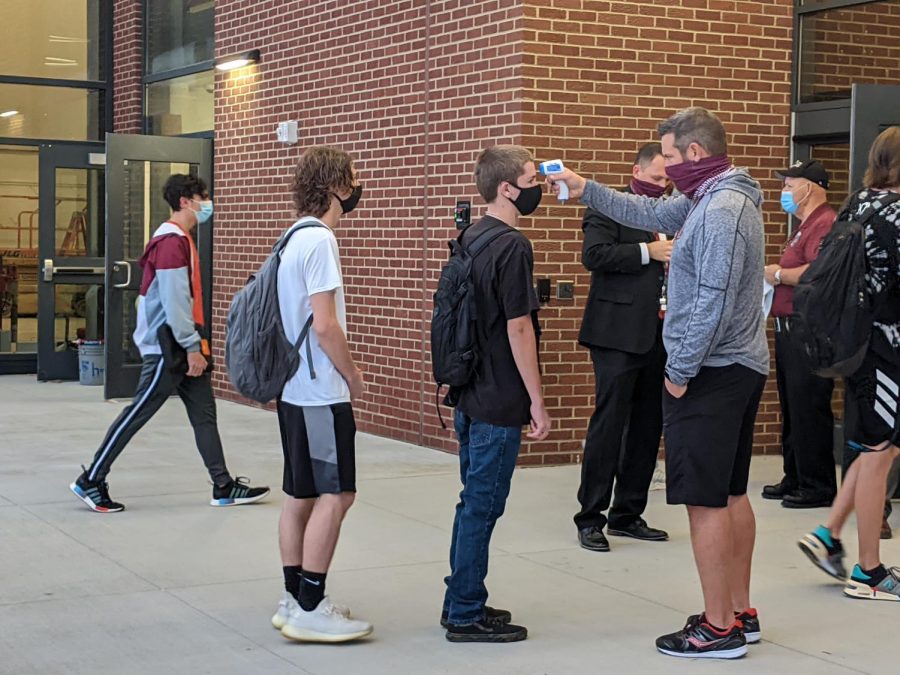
{"x":718,"y":359}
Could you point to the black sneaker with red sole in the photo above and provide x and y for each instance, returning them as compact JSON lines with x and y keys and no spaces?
{"x":699,"y":640}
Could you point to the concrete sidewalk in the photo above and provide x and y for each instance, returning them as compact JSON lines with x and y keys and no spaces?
{"x":172,"y":585}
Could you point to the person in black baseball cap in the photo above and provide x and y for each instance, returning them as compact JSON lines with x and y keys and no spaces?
{"x":810,"y":169}
{"x":807,"y":421}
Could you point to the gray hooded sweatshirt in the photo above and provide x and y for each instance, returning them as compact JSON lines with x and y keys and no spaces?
{"x":715,"y":289}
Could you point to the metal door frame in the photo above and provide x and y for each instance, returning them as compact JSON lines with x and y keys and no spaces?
{"x":55,"y":269}
{"x":121,"y":378}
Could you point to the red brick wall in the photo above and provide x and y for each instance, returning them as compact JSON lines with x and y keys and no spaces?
{"x":853,"y":44}
{"x":598,"y":77}
{"x":127,"y":66}
{"x":412,"y":90}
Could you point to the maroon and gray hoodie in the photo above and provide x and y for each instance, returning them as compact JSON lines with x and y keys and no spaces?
{"x":166,"y":291}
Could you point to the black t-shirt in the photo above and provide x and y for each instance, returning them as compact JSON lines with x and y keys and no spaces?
{"x":504,"y":290}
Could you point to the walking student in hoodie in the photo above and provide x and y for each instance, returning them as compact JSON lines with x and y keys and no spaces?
{"x":171,"y":299}
{"x":717,"y":363}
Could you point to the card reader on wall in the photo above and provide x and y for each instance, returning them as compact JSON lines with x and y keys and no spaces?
{"x":543,"y":291}
{"x":462,"y":215}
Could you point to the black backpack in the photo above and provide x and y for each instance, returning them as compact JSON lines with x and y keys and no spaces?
{"x":833,"y":313}
{"x":259,"y":357}
{"x":453,"y":353}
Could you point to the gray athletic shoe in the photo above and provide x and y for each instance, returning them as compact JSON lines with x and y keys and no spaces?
{"x":887,"y":589}
{"x":829,"y":559}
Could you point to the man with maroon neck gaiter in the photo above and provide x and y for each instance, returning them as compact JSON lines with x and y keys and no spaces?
{"x":622,"y":327}
{"x":718,"y":359}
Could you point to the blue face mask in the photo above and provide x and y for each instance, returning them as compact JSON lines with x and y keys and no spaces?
{"x":205,"y":212}
{"x":788,"y":203}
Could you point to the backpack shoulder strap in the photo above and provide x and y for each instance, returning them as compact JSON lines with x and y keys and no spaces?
{"x":872,"y":212}
{"x":301,"y":224}
{"x":483,"y":240}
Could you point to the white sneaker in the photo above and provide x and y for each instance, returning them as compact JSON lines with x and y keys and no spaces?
{"x":323,"y":624}
{"x":287,"y":604}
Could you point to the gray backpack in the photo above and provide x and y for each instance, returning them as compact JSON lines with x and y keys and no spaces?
{"x":259,"y":357}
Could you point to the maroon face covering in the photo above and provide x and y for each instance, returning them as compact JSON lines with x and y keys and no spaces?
{"x":688,"y":176}
{"x":646,"y":189}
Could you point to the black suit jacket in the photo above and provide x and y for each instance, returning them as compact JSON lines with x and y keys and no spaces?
{"x":622,"y":310}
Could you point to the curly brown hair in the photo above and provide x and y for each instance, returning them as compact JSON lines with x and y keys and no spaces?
{"x":321,"y":172}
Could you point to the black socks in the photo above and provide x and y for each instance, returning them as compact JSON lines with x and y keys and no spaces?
{"x":292,"y":579}
{"x":312,"y":590}
{"x":876,"y":576}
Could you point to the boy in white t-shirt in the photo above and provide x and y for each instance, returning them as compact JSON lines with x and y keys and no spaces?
{"x":315,"y":414}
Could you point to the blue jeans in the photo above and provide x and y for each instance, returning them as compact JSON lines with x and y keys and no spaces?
{"x":487,"y":457}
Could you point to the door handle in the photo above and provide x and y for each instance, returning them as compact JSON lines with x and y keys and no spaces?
{"x":50,"y":269}
{"x":117,"y":265}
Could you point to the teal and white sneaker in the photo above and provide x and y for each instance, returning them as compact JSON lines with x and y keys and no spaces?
{"x":237,"y":492}
{"x":860,"y":585}
{"x":824,"y":552}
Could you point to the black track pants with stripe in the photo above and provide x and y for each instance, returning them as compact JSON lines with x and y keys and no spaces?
{"x":156,"y":384}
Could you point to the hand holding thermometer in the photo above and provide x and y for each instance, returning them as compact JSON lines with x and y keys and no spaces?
{"x":556,"y":166}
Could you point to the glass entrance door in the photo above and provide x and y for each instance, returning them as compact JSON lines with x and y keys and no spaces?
{"x":72,"y":231}
{"x":138,"y":167}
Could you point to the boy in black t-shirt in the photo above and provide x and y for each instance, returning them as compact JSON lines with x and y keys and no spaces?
{"x":504,"y":395}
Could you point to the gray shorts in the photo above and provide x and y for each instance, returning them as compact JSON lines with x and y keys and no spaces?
{"x":319,"y":444}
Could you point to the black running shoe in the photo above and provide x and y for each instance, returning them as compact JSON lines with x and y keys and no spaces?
{"x":491,"y":615}
{"x":481,"y":631}
{"x":95,"y":494}
{"x":749,"y":619}
{"x":237,"y":492}
{"x":699,"y":640}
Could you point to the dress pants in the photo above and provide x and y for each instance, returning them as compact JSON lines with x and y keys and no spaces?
{"x":623,"y":435}
{"x":807,"y":425}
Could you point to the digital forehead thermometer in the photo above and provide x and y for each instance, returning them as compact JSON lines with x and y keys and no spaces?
{"x":556,"y":166}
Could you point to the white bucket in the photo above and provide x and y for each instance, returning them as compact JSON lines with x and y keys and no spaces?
{"x":91,"y":362}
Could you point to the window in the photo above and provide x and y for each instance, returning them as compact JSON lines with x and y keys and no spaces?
{"x":59,"y":113}
{"x":55,"y":39}
{"x":53,"y":69}
{"x":178,"y":66}
{"x":179,"y":34}
{"x":182,"y":105}
{"x":837,"y":47}
{"x":18,"y":249}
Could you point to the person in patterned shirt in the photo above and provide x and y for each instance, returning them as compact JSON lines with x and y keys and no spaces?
{"x":873,"y":392}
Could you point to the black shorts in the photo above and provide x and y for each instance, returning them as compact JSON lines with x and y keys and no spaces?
{"x":319,"y":444}
{"x":709,"y":436}
{"x":873,"y":397}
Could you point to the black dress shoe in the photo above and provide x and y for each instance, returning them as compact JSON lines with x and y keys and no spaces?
{"x":593,"y":539}
{"x":806,"y":500}
{"x":779,"y":490}
{"x":639,"y":530}
{"x":886,"y":532}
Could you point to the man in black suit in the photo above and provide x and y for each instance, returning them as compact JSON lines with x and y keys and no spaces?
{"x":622,"y":326}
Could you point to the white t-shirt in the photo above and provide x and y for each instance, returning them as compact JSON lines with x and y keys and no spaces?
{"x":311,"y":264}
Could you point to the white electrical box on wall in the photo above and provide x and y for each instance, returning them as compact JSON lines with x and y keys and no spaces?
{"x":287,"y":132}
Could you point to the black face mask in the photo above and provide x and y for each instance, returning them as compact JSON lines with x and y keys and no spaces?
{"x":528,"y":199}
{"x":347,"y":205}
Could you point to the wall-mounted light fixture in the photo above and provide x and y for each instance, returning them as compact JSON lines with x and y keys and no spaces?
{"x":9,"y":113}
{"x":237,"y":60}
